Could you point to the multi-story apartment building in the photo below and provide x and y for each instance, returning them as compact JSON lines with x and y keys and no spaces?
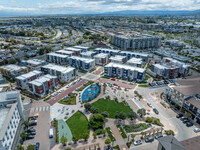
{"x":23,"y":80}
{"x":137,"y":62}
{"x":64,"y":74}
{"x":129,"y":55}
{"x":64,"y":52}
{"x":85,"y":64}
{"x":118,"y":59}
{"x":12,"y":71}
{"x":101,"y":59}
{"x":88,"y":54}
{"x":125,"y":72}
{"x":110,"y":52}
{"x":76,"y":51}
{"x":11,"y":118}
{"x":83,"y":48}
{"x":44,"y":85}
{"x":135,"y":41}
{"x":57,"y":58}
{"x":33,"y":64}
{"x":169,"y":69}
{"x":186,"y":94}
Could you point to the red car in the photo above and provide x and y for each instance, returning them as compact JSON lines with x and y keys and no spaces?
{"x":113,"y":79}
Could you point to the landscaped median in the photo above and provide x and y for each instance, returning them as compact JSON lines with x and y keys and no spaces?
{"x":136,"y":127}
{"x":112,"y":138}
{"x":123,"y":134}
{"x":70,"y":100}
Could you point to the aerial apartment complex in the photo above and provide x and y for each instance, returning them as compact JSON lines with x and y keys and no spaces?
{"x":64,"y":74}
{"x":118,"y":59}
{"x":11,"y":111}
{"x":169,"y":68}
{"x":125,"y":72}
{"x":33,"y":64}
{"x":133,"y":41}
{"x":57,"y":58}
{"x":23,"y":80}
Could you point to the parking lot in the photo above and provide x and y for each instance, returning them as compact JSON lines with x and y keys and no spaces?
{"x":161,"y":83}
{"x":42,"y":127}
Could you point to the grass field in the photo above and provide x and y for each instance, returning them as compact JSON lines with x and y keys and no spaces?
{"x":111,"y":107}
{"x":143,"y":85}
{"x":78,"y":125}
{"x":68,"y":101}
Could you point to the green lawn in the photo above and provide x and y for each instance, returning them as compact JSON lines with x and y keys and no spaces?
{"x":143,"y":85}
{"x":78,"y":125}
{"x":69,"y":101}
{"x":111,"y":107}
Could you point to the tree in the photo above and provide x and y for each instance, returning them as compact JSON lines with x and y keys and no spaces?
{"x":122,"y":115}
{"x":23,"y":135}
{"x":132,"y":115}
{"x":26,"y":123}
{"x":170,"y":132}
{"x":133,"y":136}
{"x":94,"y":110}
{"x":107,"y":141}
{"x":30,"y":147}
{"x":87,"y":106}
{"x":105,"y":114}
{"x":96,"y":121}
{"x":85,"y":136}
{"x":20,"y":147}
{"x":117,"y":115}
{"x":141,"y":112}
{"x":94,"y":135}
{"x":143,"y":133}
{"x":63,"y":140}
{"x":75,"y":139}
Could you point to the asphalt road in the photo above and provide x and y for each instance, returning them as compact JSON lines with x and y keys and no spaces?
{"x":55,"y":99}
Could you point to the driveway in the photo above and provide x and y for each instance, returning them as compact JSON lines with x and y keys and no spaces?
{"x":57,"y":98}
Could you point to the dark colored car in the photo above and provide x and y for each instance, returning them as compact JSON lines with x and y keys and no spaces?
{"x":166,"y":82}
{"x":33,"y":123}
{"x":185,"y":121}
{"x":158,"y":136}
{"x":31,"y":133}
{"x":156,"y":111}
{"x":182,"y":118}
{"x":30,"y":137}
{"x":31,"y":130}
{"x":189,"y":124}
{"x":179,"y":115}
{"x":37,"y":146}
{"x":149,"y":139}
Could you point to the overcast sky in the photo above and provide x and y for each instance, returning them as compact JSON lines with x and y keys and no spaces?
{"x":80,"y":6}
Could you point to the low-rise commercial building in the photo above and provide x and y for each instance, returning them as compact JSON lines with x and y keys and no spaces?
{"x":101,"y":59}
{"x":64,"y":74}
{"x":33,"y":64}
{"x":12,"y":71}
{"x":44,"y":85}
{"x":186,"y":94}
{"x":169,"y":69}
{"x":23,"y":80}
{"x":137,"y":62}
{"x":57,"y":58}
{"x":11,"y":118}
{"x":125,"y":72}
{"x":118,"y":59}
{"x":85,"y":64}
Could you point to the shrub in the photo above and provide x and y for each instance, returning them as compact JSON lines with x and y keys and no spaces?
{"x":128,"y":144}
{"x":116,"y":147}
{"x":170,"y":132}
{"x":149,"y":119}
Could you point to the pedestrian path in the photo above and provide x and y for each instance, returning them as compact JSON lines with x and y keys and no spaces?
{"x":42,"y":108}
{"x":64,"y":130}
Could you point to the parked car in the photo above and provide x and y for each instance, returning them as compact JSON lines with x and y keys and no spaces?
{"x":31,"y":133}
{"x":113,"y":79}
{"x":196,"y":130}
{"x":149,"y":104}
{"x":189,"y":124}
{"x":115,"y":84}
{"x":182,"y":118}
{"x":37,"y":146}
{"x":30,"y":137}
{"x":179,"y":115}
{"x":138,"y":142}
{"x":32,"y":122}
{"x":149,"y":139}
{"x":185,"y":120}
{"x":158,"y":136}
{"x":156,"y":111}
{"x":31,"y":130}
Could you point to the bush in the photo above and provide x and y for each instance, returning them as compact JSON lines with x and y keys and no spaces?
{"x":149,"y":120}
{"x":170,"y":132}
{"x":123,"y":134}
{"x":153,"y":120}
{"x":116,"y":147}
{"x":128,"y":144}
{"x":112,"y":138}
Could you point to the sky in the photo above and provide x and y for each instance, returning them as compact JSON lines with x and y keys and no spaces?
{"x":92,"y":6}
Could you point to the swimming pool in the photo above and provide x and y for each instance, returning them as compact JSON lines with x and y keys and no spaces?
{"x":90,"y":92}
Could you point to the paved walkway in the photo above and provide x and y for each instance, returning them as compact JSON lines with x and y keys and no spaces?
{"x":64,"y":130}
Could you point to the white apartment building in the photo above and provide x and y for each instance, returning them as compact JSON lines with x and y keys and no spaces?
{"x":57,"y":58}
{"x":117,"y":59}
{"x":11,"y":114}
{"x":88,"y":54}
{"x":137,"y":62}
{"x":64,"y":52}
{"x":125,"y":72}
{"x":64,"y":74}
{"x":101,"y":59}
{"x":33,"y":64}
{"x":23,"y":80}
{"x":84,"y":48}
{"x":85,"y":64}
{"x":44,"y":85}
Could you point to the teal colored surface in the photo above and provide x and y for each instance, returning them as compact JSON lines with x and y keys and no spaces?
{"x":64,"y":130}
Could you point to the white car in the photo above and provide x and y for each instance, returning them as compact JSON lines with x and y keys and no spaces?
{"x":196,"y":130}
{"x":138,"y":142}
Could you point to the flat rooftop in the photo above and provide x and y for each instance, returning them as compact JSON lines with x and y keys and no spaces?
{"x":134,"y":53}
{"x":41,"y":80}
{"x":66,"y":52}
{"x":88,"y":53}
{"x":73,"y":49}
{"x":101,"y":55}
{"x":59,"y":68}
{"x":117,"y":57}
{"x":58,"y":55}
{"x":125,"y":67}
{"x":28,"y":75}
{"x":109,"y":50}
{"x":81,"y":47}
{"x":135,"y":60}
{"x":86,"y":60}
{"x":12,"y":67}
